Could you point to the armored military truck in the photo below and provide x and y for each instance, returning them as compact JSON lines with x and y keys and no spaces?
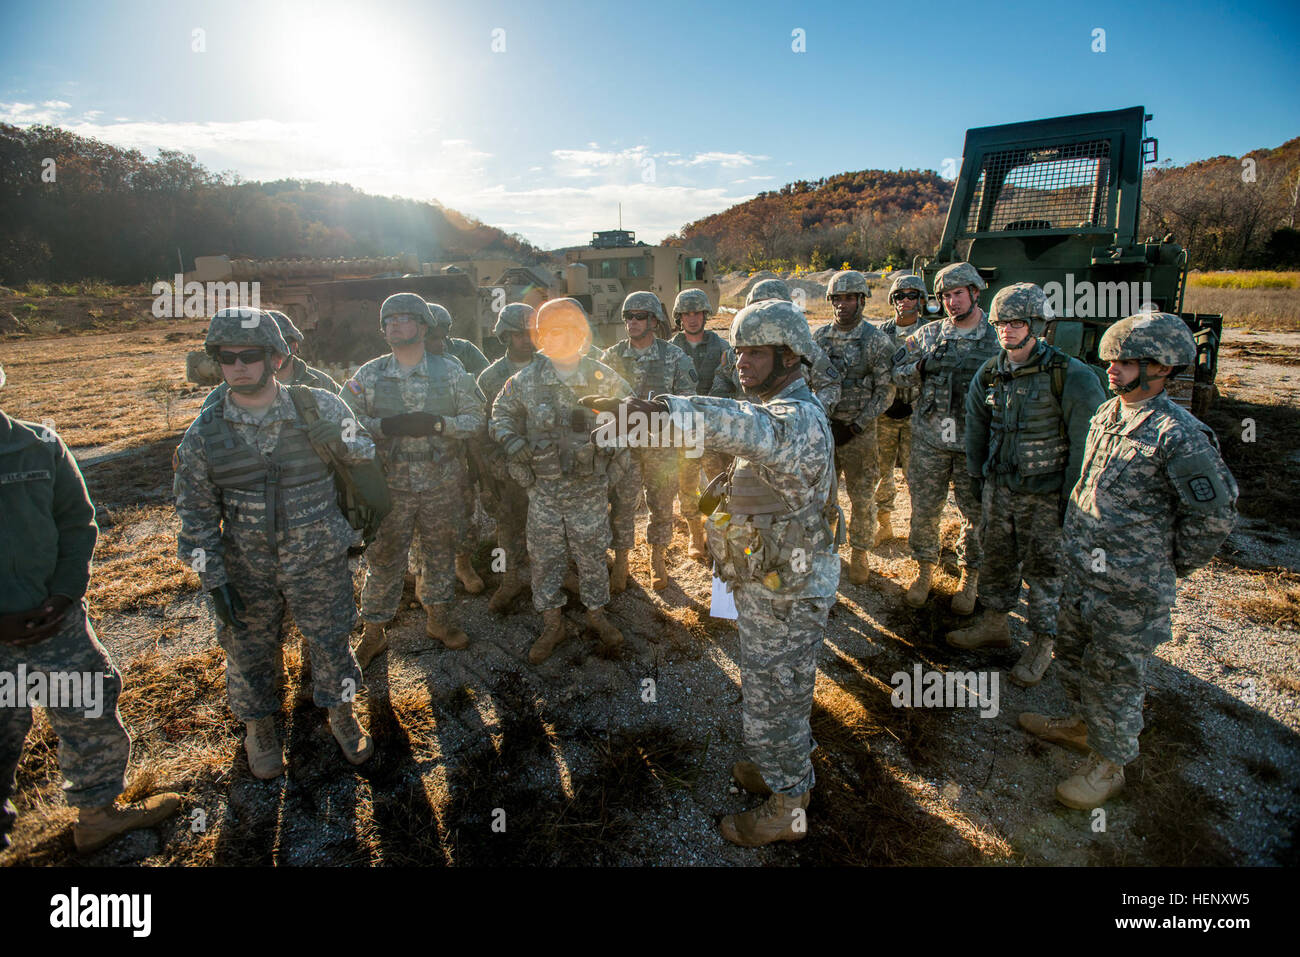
{"x":1056,"y":202}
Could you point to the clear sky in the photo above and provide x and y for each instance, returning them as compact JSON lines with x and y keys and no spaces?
{"x":540,"y":118}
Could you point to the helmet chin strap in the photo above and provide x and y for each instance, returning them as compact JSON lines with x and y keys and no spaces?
{"x":1022,"y":343}
{"x":779,"y":372}
{"x":974,"y":301}
{"x":1139,"y":383}
{"x":267,"y":372}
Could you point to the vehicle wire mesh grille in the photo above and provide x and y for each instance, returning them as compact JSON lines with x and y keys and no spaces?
{"x":1045,"y":187}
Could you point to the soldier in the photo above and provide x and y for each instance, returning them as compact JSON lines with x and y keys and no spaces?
{"x":861,"y":353}
{"x":545,"y":435}
{"x":1153,"y":503}
{"x":894,"y":427}
{"x":941,"y":358}
{"x":421,"y":407}
{"x":514,"y":329}
{"x":773,"y":545}
{"x":1027,"y":415}
{"x":707,"y":351}
{"x":47,"y":537}
{"x":652,"y":367}
{"x":261,"y":525}
{"x":293,"y":372}
{"x":441,"y":342}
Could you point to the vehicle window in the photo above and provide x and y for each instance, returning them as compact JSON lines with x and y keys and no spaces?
{"x":608,"y":269}
{"x":1049,"y":187}
{"x":635,"y":268}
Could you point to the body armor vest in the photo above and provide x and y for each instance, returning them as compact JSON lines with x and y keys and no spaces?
{"x":558,"y":448}
{"x":706,"y":356}
{"x":948,"y":374}
{"x":289,"y":488}
{"x":647,"y":374}
{"x":1027,"y":434}
{"x":906,"y":394}
{"x":846,"y":355}
{"x":438,"y":399}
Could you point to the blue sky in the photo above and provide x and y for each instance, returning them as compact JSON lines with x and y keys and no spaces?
{"x":540,"y":118}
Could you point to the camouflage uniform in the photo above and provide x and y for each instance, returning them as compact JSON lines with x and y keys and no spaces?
{"x":47,"y":537}
{"x":894,"y":426}
{"x":662,"y":368}
{"x":951,"y":357}
{"x":862,"y":356}
{"x":773,"y":547}
{"x":708,"y":357}
{"x":511,"y":499}
{"x":1154,"y":502}
{"x":567,"y":476}
{"x":302,"y":374}
{"x":275,"y":543}
{"x":426,"y":474}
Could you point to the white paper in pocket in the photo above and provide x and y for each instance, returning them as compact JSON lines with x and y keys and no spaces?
{"x":722,"y":603}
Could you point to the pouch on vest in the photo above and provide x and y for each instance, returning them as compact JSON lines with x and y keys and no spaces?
{"x":363,"y":495}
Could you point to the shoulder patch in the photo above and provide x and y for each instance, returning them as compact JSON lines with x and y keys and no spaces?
{"x":1198,"y":480}
{"x":176,"y":459}
{"x":901,"y":354}
{"x":354,"y":387}
{"x":695,"y":376}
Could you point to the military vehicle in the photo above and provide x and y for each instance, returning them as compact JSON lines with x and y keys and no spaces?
{"x":1056,"y":202}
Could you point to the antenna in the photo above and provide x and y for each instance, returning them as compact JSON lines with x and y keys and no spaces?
{"x":620,"y":216}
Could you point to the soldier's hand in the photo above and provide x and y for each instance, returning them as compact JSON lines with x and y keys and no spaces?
{"x":517,"y":450}
{"x":424,"y":423}
{"x":325,"y":431}
{"x":601,"y":403}
{"x":840,"y":432}
{"x":646,"y":406}
{"x":228,"y":605}
{"x":395,"y":425}
{"x":899,"y":409}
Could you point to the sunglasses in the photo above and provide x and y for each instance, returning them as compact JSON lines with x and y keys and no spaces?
{"x":247,"y":356}
{"x":910,"y":294}
{"x":637,"y":317}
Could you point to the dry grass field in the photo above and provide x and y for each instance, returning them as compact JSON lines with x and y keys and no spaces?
{"x":584,"y":768}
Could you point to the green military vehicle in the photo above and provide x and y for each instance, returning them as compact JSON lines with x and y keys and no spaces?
{"x":1056,"y":202}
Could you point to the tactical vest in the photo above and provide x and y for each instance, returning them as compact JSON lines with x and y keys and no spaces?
{"x":759,"y":537}
{"x":906,"y":394}
{"x":559,"y":450}
{"x":706,"y":356}
{"x":846,"y":355}
{"x":289,"y":488}
{"x":948,"y":373}
{"x":646,"y":374}
{"x":1027,"y":433}
{"x":438,"y":399}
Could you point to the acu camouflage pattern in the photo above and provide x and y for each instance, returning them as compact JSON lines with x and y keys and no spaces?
{"x":287,"y":329}
{"x":302,"y":374}
{"x":405,"y":304}
{"x":93,"y":752}
{"x":513,"y":317}
{"x":709,"y":357}
{"x":894,"y":435}
{"x":303,"y":562}
{"x":1021,"y":538}
{"x":1160,"y":336}
{"x":509,"y":499}
{"x":1154,"y":502}
{"x":643,"y":302}
{"x":1020,"y":300}
{"x":787,"y":439}
{"x":692,"y":300}
{"x":907,"y":281}
{"x":957,"y":275}
{"x":768,"y":289}
{"x":568,"y":495}
{"x":244,"y":327}
{"x":846,"y":281}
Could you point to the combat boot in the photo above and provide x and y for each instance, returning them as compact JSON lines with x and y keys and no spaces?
{"x":919,"y":590}
{"x":1035,"y":661}
{"x":618,"y":572}
{"x":749,"y":777}
{"x":963,"y":603}
{"x":262,"y":745}
{"x":468,"y":577}
{"x":860,"y":567}
{"x":437,"y":626}
{"x":1092,"y":784}
{"x":884,"y":527}
{"x":356,"y":744}
{"x":97,"y":826}
{"x":1069,"y":732}
{"x":373,"y":642}
{"x":552,"y":635}
{"x":509,"y":589}
{"x":991,"y":631}
{"x":699,"y":546}
{"x":610,"y":637}
{"x":658,"y":570}
{"x":779,"y":818}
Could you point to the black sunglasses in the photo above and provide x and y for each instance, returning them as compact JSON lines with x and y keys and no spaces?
{"x":637,"y":316}
{"x":909,"y":294}
{"x":247,"y":356}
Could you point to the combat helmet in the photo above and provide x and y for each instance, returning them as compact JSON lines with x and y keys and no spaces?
{"x":290,"y":332}
{"x":513,"y":317}
{"x":241,"y":326}
{"x":956,"y":275}
{"x":847,"y":281}
{"x":768,"y":289}
{"x":441,"y":318}
{"x":1021,"y":300}
{"x":643,"y":302}
{"x":773,"y":322}
{"x":405,"y":304}
{"x":691,"y":300}
{"x":1148,"y":337}
{"x":907,"y":281}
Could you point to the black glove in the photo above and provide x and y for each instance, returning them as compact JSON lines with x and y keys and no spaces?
{"x":517,"y":450}
{"x":841,"y":432}
{"x":601,"y":403}
{"x":228,"y":605}
{"x":412,"y":423}
{"x":325,"y":431}
{"x":899,"y":409}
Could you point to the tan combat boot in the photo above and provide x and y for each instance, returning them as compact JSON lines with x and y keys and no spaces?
{"x":963,"y":603}
{"x":468,"y":577}
{"x":1092,"y":784}
{"x":552,"y":635}
{"x":991,"y":631}
{"x":437,"y":626}
{"x":373,"y":642}
{"x":610,"y":637}
{"x":919,"y":590}
{"x":509,"y":589}
{"x":860,"y":567}
{"x":699,"y":545}
{"x":658,"y":570}
{"x":97,"y":826}
{"x":1035,"y":661}
{"x":884,"y":527}
{"x":262,"y":745}
{"x":1069,"y":732}
{"x":749,"y":777}
{"x":781,"y":817}
{"x":356,"y":744}
{"x":618,"y":572}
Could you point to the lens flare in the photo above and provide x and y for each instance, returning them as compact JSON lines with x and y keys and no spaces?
{"x":560,"y":331}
